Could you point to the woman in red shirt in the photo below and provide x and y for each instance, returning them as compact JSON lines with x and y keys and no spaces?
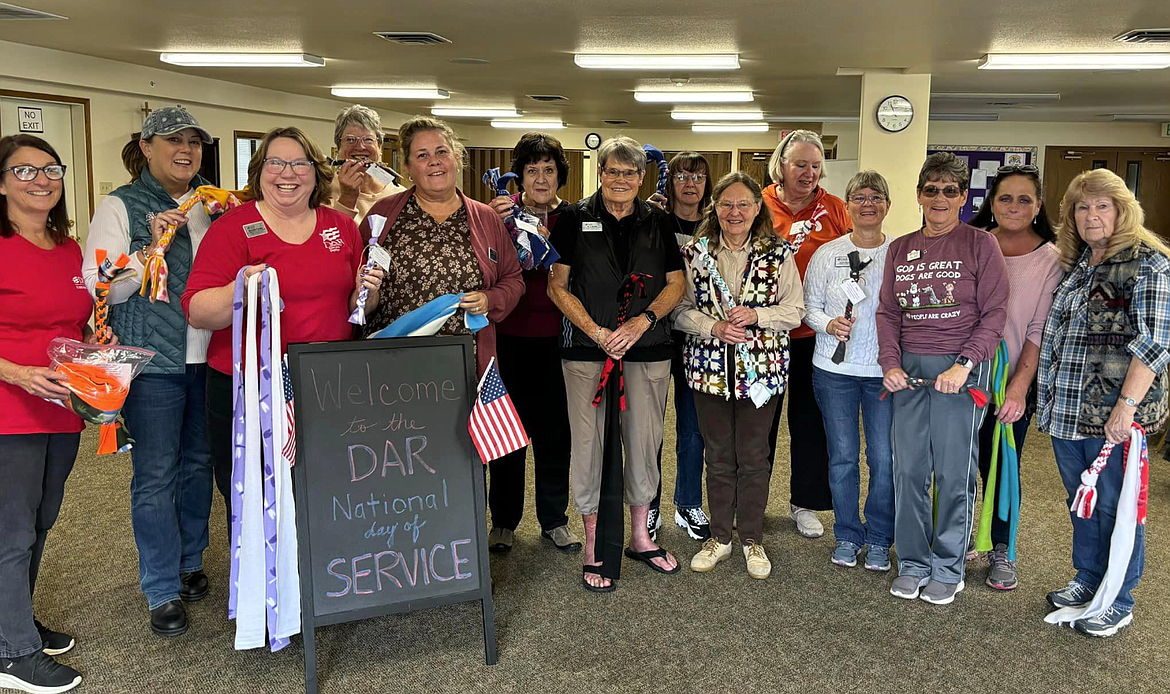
{"x":316,"y":251}
{"x":809,"y":217}
{"x":42,"y":297}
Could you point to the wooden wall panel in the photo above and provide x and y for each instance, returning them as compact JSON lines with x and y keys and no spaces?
{"x":720,"y":166}
{"x":480,"y":159}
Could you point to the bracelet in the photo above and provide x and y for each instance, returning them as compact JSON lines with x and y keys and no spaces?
{"x":597,"y":335}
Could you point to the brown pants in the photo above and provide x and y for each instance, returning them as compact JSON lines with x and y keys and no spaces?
{"x":735,"y":441}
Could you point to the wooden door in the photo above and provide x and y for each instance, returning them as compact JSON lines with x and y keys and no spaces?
{"x":1147,"y":175}
{"x":754,"y":162}
{"x":720,"y":163}
{"x":1061,"y":166}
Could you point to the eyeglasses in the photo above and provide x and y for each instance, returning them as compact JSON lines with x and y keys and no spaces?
{"x":352,"y":140}
{"x":743,"y":206}
{"x":628,"y":174}
{"x":27,"y":172}
{"x":683,"y":177}
{"x":1018,"y":168}
{"x":951,"y":192}
{"x":276,"y":165}
{"x":875,"y":199}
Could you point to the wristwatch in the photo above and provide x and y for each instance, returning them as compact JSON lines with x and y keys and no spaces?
{"x":965,"y":362}
{"x":1129,"y":401}
{"x":652,"y":317}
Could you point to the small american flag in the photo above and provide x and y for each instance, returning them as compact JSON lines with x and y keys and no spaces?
{"x":494,"y":424}
{"x":290,"y":435}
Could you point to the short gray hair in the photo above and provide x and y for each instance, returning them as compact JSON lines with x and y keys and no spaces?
{"x":624,"y":149}
{"x":779,"y":158}
{"x":868,"y":179}
{"x":942,"y":167}
{"x":361,"y":116}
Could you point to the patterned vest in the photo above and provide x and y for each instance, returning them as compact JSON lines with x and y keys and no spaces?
{"x":705,"y":358}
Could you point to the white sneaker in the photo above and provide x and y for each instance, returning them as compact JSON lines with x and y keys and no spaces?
{"x":758,"y":565}
{"x":712,"y":553}
{"x":806,"y":521}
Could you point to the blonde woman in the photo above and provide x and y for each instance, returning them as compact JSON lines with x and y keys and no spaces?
{"x":1103,"y":367}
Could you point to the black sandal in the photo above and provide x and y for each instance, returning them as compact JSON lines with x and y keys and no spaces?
{"x":646,"y":557}
{"x":595,"y":570}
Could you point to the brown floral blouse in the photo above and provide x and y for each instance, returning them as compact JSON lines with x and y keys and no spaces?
{"x":427,"y":260}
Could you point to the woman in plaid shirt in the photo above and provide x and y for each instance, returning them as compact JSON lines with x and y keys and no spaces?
{"x":1103,"y":364}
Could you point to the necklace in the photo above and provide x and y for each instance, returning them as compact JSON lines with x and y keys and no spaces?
{"x":925,"y":246}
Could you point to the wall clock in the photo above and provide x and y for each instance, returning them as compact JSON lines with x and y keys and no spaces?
{"x":895,"y":113}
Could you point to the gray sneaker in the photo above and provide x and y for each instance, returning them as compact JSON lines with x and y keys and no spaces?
{"x":877,"y":558}
{"x":500,"y":540}
{"x":562,"y":538}
{"x":1002,"y":575}
{"x":939,"y":593}
{"x":845,"y":554}
{"x":1107,"y":623}
{"x":907,"y":587}
{"x":1074,"y":594}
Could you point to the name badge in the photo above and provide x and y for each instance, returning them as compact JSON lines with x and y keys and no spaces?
{"x":591,"y":226}
{"x":493,"y":256}
{"x":255,"y":229}
{"x":913,"y":255}
{"x":841,"y":261}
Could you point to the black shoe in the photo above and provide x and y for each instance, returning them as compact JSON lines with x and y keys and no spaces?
{"x":193,"y":586}
{"x":37,"y":673}
{"x":694,"y":521}
{"x":54,"y":642}
{"x":653,"y":523}
{"x":169,"y":619}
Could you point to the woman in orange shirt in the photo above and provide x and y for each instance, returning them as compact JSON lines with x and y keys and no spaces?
{"x":808,"y":217}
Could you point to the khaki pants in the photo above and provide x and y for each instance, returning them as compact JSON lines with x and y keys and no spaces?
{"x":646,"y":387}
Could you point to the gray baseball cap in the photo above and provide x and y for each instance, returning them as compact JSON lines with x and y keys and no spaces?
{"x":171,"y":119}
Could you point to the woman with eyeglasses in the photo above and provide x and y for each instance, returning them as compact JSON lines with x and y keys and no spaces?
{"x":531,"y":367}
{"x":742,"y":297}
{"x":42,"y":297}
{"x":1014,"y":211}
{"x":943,"y":306}
{"x":441,"y":242}
{"x":840,"y":298}
{"x":807,"y":216}
{"x":687,"y":197}
{"x":619,"y":275}
{"x":316,"y":251}
{"x":171,"y":480}
{"x":357,"y":134}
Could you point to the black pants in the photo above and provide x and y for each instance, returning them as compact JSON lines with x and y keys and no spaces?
{"x":531,"y":369}
{"x":809,"y":450}
{"x":999,"y":528}
{"x":219,"y":434}
{"x":33,"y":470}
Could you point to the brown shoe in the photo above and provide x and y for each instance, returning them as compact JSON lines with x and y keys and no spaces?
{"x":500,"y":540}
{"x":562,"y":539}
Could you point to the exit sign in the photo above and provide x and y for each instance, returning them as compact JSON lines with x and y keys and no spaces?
{"x":1166,"y":130}
{"x":30,"y":119}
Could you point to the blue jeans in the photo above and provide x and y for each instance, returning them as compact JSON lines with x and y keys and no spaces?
{"x":1091,"y":537}
{"x":841,"y":398}
{"x":688,"y":446}
{"x":170,"y":490}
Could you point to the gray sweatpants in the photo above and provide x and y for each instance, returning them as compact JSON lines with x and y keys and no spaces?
{"x":935,"y":438}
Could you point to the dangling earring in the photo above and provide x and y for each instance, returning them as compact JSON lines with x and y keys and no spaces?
{"x":993,"y":219}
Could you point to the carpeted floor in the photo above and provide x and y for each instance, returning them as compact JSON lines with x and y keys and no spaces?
{"x":811,"y":627}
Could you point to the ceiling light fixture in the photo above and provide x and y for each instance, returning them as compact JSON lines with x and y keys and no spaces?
{"x":477,"y":112}
{"x":390,"y":93}
{"x":729,"y":127}
{"x":1140,"y":116}
{"x":1075,"y":61}
{"x":711,"y":61}
{"x":528,"y":124}
{"x":242,"y":59}
{"x":717,"y":115}
{"x":988,"y":97}
{"x":692,"y":97}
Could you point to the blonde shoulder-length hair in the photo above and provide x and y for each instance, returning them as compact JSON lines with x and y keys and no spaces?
{"x":762,"y":236}
{"x":1128,"y":229}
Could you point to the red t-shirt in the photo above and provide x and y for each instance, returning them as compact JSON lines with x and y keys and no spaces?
{"x":42,"y":296}
{"x":316,"y":277}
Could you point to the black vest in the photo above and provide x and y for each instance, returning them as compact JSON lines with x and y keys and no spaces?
{"x":596,"y":275}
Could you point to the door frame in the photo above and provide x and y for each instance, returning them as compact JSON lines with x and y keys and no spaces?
{"x":76,"y":101}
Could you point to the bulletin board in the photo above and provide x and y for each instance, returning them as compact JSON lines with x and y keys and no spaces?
{"x":983,"y":160}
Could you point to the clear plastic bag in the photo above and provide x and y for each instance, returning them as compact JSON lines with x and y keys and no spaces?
{"x":98,"y":377}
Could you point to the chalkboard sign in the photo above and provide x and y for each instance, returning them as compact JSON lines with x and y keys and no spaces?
{"x":389,"y":489}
